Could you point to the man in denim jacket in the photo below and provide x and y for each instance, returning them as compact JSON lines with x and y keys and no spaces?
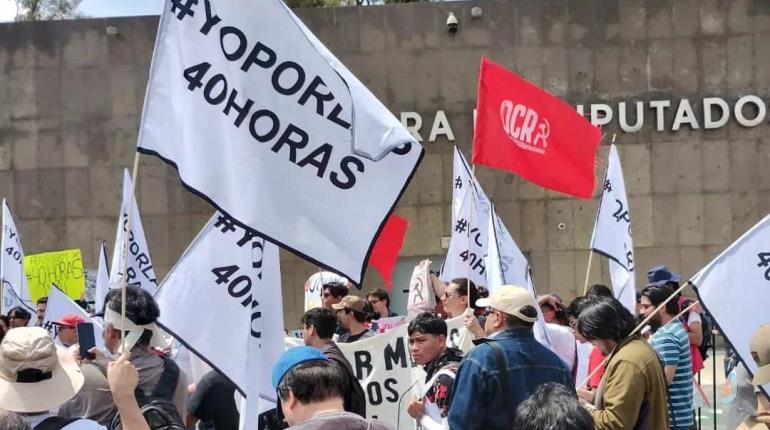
{"x":483,"y":397}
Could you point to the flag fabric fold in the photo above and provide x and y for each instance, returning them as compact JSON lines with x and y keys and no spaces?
{"x":14,"y":280}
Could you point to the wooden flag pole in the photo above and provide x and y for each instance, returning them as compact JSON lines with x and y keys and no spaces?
{"x":472,"y":190}
{"x":588,"y":270}
{"x":134,"y":172}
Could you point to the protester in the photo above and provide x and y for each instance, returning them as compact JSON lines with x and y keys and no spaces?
{"x":318,"y":328}
{"x":457,"y":297}
{"x":693,"y":325}
{"x":122,"y":377}
{"x":673,"y":346}
{"x":632,"y":393}
{"x":759,"y":345}
{"x":4,"y":326}
{"x":599,"y":290}
{"x":67,"y":329}
{"x":427,"y":345}
{"x":506,"y":367}
{"x":42,"y":303}
{"x":18,"y":317}
{"x":142,"y":336}
{"x":553,"y":309}
{"x":36,"y":377}
{"x":585,"y":352}
{"x":310,"y":393}
{"x":380,"y":301}
{"x":552,"y":406}
{"x":213,"y":403}
{"x":333,"y":292}
{"x":351,"y":317}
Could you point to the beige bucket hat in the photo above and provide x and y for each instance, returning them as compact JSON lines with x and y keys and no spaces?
{"x":35,"y":374}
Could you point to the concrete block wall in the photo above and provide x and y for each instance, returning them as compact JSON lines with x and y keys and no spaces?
{"x":70,"y":100}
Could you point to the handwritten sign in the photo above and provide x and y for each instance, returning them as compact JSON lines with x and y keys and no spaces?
{"x":63,"y":268}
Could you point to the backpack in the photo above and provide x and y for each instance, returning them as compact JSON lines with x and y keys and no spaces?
{"x":54,"y":423}
{"x":706,"y":325}
{"x":158,"y":407}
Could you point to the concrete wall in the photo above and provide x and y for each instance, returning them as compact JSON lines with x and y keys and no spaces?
{"x":70,"y":99}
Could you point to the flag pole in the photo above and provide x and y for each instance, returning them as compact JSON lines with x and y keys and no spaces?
{"x":588,"y":270}
{"x":472,"y":190}
{"x":636,"y":329}
{"x":125,"y":253}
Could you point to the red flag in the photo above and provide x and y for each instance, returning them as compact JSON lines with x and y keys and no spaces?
{"x":387,"y":247}
{"x":523,"y":129}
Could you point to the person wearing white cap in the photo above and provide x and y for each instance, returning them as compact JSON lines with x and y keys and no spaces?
{"x":760,"y":351}
{"x":36,"y":376}
{"x":505,"y":368}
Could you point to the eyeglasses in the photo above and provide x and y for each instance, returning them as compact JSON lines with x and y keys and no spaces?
{"x":447,"y":295}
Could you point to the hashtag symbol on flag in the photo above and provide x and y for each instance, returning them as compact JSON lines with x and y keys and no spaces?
{"x":226,"y":223}
{"x":607,"y":185}
{"x":461,"y":226}
{"x":184,"y":8}
{"x":458,"y":182}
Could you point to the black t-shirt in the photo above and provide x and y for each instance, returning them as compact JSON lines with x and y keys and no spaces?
{"x":213,"y":403}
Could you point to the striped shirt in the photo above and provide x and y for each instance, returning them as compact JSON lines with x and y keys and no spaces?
{"x":673,"y":346}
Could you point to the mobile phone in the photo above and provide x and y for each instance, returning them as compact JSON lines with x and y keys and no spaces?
{"x":86,"y":340}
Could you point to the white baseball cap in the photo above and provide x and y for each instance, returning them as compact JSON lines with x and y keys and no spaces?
{"x":510,"y":299}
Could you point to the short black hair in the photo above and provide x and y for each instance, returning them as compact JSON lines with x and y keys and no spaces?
{"x":576,"y":306}
{"x":322,"y":319}
{"x":599,"y":290}
{"x":19,"y":312}
{"x":514,"y":321}
{"x":360,"y":316}
{"x":552,"y":406}
{"x":605,"y":318}
{"x":657,"y":294}
{"x":462,"y":289}
{"x":43,"y":299}
{"x":312,"y":382}
{"x":380,"y":294}
{"x":336,"y":289}
{"x":428,"y":323}
{"x":141,"y":308}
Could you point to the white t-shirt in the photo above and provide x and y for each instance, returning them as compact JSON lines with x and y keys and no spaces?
{"x":79,"y":424}
{"x":563,"y":342}
{"x":694,"y":317}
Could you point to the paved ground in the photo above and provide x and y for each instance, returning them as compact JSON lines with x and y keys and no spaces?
{"x":707,"y":384}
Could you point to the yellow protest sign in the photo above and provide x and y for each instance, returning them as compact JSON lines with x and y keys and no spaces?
{"x":63,"y":268}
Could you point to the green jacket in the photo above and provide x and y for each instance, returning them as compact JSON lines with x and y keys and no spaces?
{"x":632,"y":392}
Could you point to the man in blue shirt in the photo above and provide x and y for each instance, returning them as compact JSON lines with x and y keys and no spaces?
{"x":671,"y":343}
{"x":505,"y":368}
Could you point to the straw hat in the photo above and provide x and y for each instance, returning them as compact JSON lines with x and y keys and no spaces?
{"x":35,"y":374}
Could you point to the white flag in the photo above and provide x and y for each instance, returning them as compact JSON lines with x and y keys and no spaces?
{"x":421,"y":295}
{"x":733,"y":289}
{"x":466,"y":255}
{"x":246,"y":105}
{"x":314,"y":287}
{"x":232,"y":275}
{"x":102,"y":280}
{"x":612,"y":233}
{"x":461,"y":180}
{"x":504,"y":256}
{"x":58,"y":306}
{"x":139,"y":264}
{"x":15,"y":290}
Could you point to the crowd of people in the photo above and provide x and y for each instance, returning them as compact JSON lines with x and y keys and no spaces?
{"x":597,"y":368}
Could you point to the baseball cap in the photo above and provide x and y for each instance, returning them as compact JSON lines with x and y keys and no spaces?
{"x":509,"y":299}
{"x":659,"y":275}
{"x":293,"y":357}
{"x":760,"y":350}
{"x":70,"y":320}
{"x":350,"y":302}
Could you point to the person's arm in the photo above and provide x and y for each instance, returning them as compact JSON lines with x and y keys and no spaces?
{"x":668,"y":351}
{"x":123,"y":379}
{"x":695,"y":333}
{"x":624,"y":390}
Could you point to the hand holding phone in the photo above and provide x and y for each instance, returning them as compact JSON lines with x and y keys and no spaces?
{"x":86,"y":340}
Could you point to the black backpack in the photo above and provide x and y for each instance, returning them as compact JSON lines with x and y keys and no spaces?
{"x":158,"y":407}
{"x":706,"y":326}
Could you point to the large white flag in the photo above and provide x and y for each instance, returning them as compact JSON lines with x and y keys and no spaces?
{"x":232,"y":275}
{"x":60,"y":305}
{"x":461,"y":181}
{"x":15,"y":290}
{"x":138,"y":265}
{"x":612,"y":233}
{"x":102,"y":280}
{"x":733,"y":289}
{"x":246,"y":105}
{"x":466,"y":256}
